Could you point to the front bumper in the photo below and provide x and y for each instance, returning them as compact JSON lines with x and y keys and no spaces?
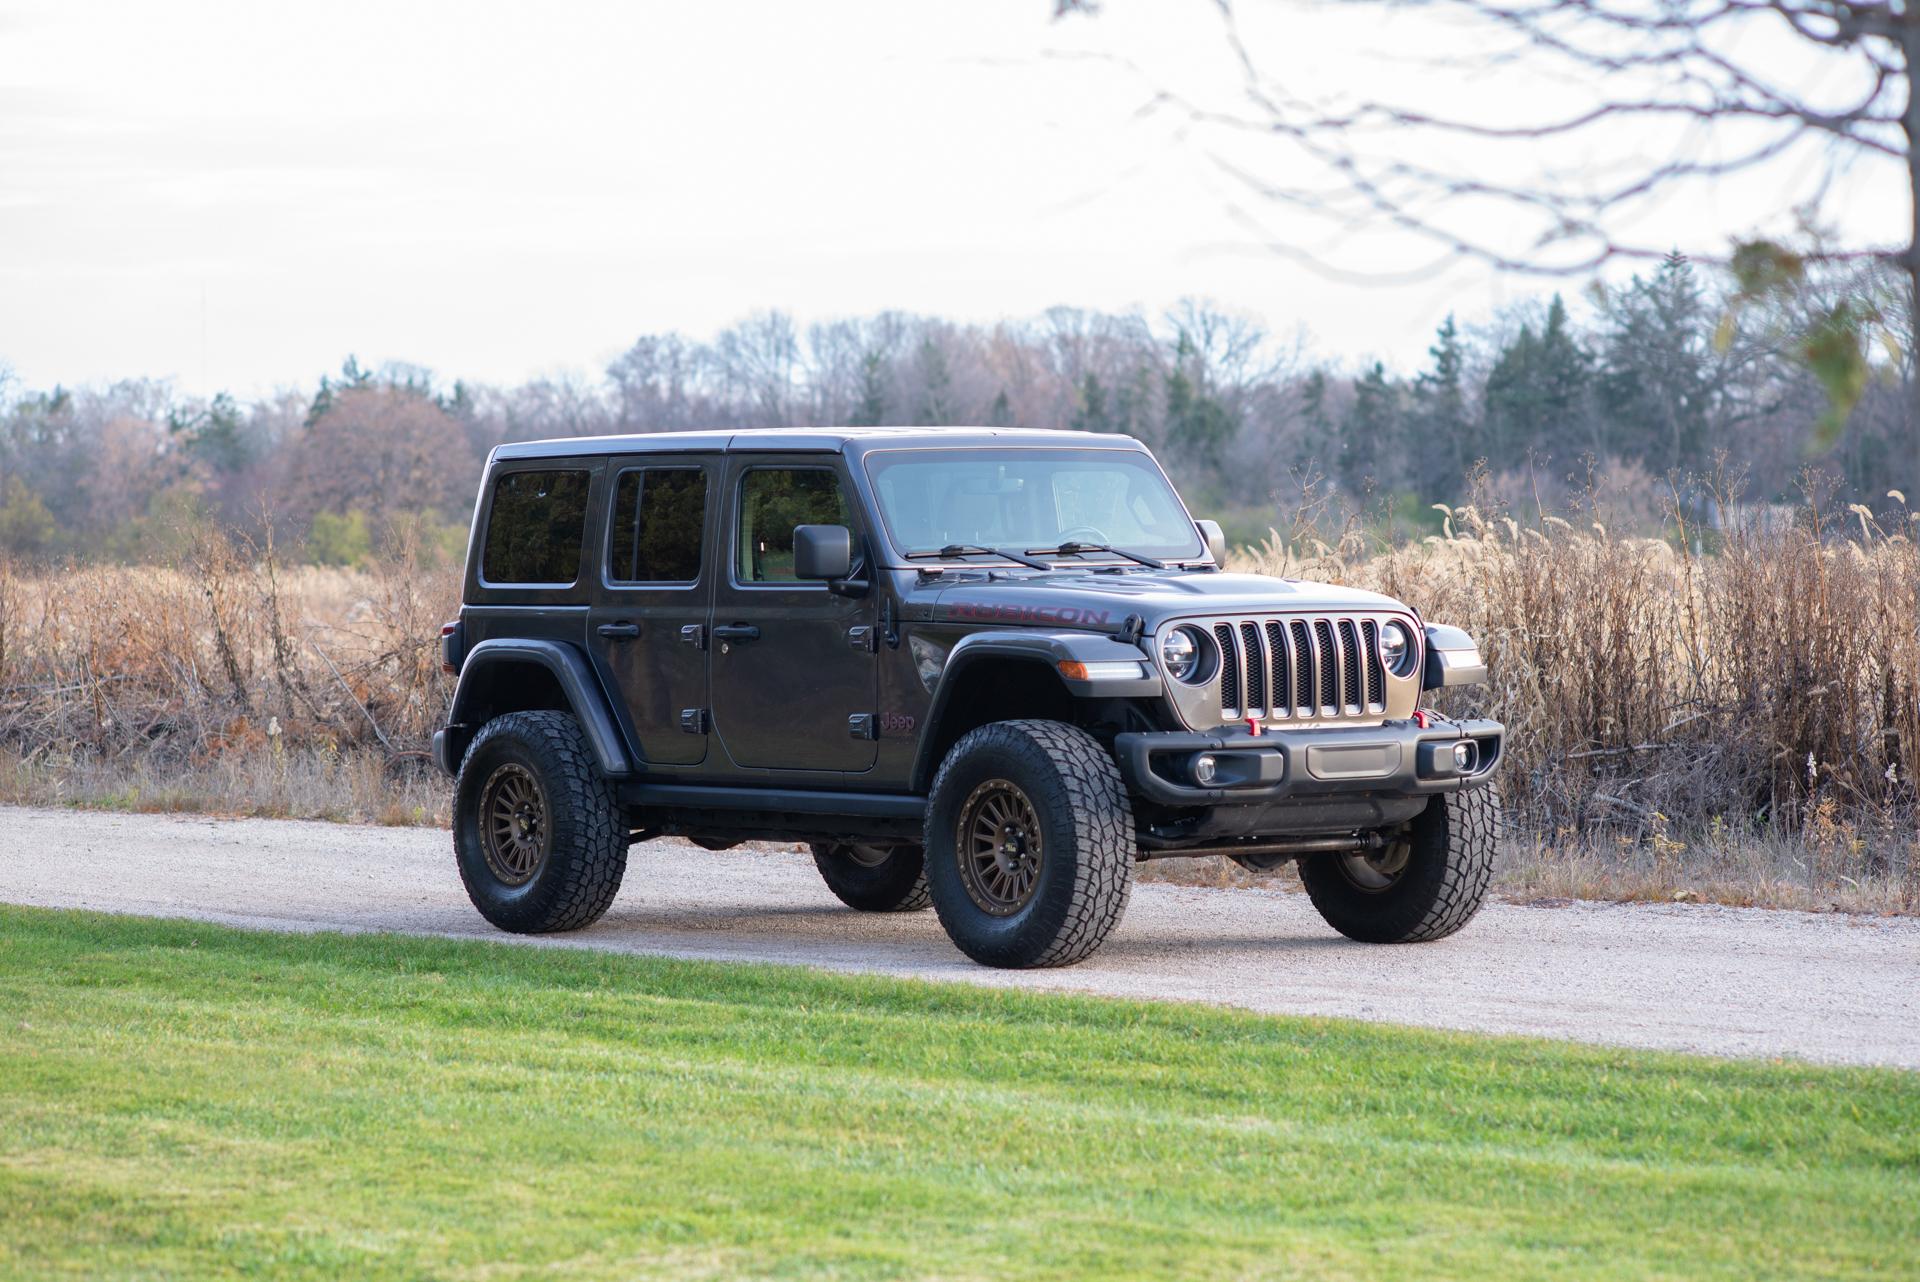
{"x":1393,"y":759}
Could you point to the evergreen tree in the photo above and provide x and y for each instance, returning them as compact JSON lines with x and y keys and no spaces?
{"x":1001,"y":415}
{"x":1440,"y":434}
{"x":1370,"y":438}
{"x":1198,"y":427}
{"x":1539,"y":396}
{"x":1657,"y":387}
{"x":936,"y":409}
{"x":872,"y":409}
{"x":1315,"y":454}
{"x":1090,"y":407}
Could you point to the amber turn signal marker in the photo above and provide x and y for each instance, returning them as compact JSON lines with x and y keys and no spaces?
{"x":1073,"y":669}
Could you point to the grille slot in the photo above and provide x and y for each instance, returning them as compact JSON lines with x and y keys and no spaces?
{"x":1350,"y":693}
{"x":1229,"y":667}
{"x":1329,"y":668}
{"x":1376,"y":675}
{"x":1301,"y":668}
{"x":1303,"y":700}
{"x":1282,"y":670}
{"x":1256,"y":669}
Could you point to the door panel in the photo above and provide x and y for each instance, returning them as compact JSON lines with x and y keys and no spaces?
{"x":787,"y":675}
{"x":651,"y":587}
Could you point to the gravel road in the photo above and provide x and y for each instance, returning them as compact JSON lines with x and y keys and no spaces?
{"x":1722,"y":981}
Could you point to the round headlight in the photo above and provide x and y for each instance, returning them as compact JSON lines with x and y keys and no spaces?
{"x":1180,"y":651}
{"x":1396,"y":648}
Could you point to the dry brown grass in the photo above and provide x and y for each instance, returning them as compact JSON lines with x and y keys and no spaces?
{"x":1743,"y":726}
{"x":1747,"y":720}
{"x":226,"y":683}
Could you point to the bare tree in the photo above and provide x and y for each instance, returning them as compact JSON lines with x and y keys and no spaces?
{"x":1703,"y":71}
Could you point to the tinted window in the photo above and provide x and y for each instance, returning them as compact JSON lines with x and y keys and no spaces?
{"x":658,"y":518}
{"x":535,"y":528}
{"x":772,"y":502}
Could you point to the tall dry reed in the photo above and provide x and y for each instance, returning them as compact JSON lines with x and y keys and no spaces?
{"x":226,"y":681}
{"x":1658,"y":699}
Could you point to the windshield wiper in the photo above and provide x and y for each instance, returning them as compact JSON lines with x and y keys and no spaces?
{"x":1074,"y":549}
{"x":970,"y":549}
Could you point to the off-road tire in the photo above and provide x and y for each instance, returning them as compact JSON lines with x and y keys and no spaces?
{"x":574,"y":870}
{"x":1441,"y":887}
{"x":898,"y":884}
{"x":1084,"y":825}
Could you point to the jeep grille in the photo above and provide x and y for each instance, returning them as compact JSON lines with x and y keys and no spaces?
{"x":1310,"y":668}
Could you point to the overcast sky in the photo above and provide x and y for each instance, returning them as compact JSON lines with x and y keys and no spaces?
{"x":238,"y":195}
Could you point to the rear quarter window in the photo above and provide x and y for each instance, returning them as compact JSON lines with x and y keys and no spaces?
{"x":535,"y":527}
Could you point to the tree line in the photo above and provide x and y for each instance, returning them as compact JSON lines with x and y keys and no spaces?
{"x":1673,"y":374}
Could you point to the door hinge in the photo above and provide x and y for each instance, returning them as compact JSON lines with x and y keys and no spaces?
{"x":862,"y":725}
{"x":694,"y":634}
{"x":693,"y":720}
{"x":862,"y":638}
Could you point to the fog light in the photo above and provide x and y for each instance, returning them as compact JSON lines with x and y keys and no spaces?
{"x":1463,"y":756}
{"x":1204,"y":769}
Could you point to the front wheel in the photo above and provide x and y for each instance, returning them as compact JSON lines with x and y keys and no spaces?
{"x":1426,"y":883}
{"x":535,"y":827}
{"x":1029,"y":844}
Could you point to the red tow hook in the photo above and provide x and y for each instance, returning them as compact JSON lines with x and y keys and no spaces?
{"x":1423,"y":718}
{"x":1253,"y":726}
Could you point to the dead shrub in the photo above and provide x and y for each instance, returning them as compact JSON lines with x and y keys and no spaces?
{"x":227,"y":677}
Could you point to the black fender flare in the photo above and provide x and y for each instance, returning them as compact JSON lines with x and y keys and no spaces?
{"x":569,"y":666}
{"x":1046,"y":649}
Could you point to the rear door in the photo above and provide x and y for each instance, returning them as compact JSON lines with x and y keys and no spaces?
{"x":647,"y":628}
{"x":793,"y":664}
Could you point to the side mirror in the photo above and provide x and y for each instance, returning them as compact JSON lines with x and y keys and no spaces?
{"x":822,"y":552}
{"x":1216,"y":541}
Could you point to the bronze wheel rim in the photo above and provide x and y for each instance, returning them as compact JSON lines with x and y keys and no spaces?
{"x":998,"y":842}
{"x":513,"y":824}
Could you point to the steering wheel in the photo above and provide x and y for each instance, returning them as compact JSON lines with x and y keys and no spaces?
{"x":1081,"y":533}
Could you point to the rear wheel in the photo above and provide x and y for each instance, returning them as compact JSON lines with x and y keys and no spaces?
{"x":1029,"y":844}
{"x":874,"y":879}
{"x":1426,"y":883}
{"x":535,"y":828}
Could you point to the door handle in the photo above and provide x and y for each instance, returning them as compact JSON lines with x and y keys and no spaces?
{"x":619,"y":631}
{"x":737,"y":632}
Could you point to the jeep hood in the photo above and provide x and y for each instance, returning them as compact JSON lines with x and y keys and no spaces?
{"x":1100,"y":602}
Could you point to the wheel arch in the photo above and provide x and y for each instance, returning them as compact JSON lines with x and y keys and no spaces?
{"x":1015,"y":674}
{"x":502,"y":676}
{"x":986,"y":683}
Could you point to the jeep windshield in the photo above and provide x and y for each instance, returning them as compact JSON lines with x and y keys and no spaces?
{"x":1020,"y":502}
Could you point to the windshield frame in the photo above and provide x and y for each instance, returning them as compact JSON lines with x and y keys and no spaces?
{"x":902,"y":557}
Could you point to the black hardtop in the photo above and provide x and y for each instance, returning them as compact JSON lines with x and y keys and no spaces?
{"x":851,"y":441}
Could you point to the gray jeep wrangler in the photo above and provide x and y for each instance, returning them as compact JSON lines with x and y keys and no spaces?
{"x":979,"y":670}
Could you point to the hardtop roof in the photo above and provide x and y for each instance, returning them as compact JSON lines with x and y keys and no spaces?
{"x":847,"y":440}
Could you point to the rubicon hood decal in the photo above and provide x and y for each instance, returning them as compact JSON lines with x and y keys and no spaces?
{"x":1009,"y":612}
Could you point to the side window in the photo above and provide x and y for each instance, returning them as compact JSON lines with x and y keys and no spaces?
{"x":659,"y":517}
{"x":535,"y":528}
{"x":772,"y":502}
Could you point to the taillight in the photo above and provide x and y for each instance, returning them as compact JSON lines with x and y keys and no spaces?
{"x":451,"y":637}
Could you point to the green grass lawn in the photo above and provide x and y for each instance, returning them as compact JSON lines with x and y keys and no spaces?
{"x":182,"y":1100}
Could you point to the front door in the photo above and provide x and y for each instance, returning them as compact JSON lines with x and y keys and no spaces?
{"x":793,"y":665}
{"x":647,"y":629}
